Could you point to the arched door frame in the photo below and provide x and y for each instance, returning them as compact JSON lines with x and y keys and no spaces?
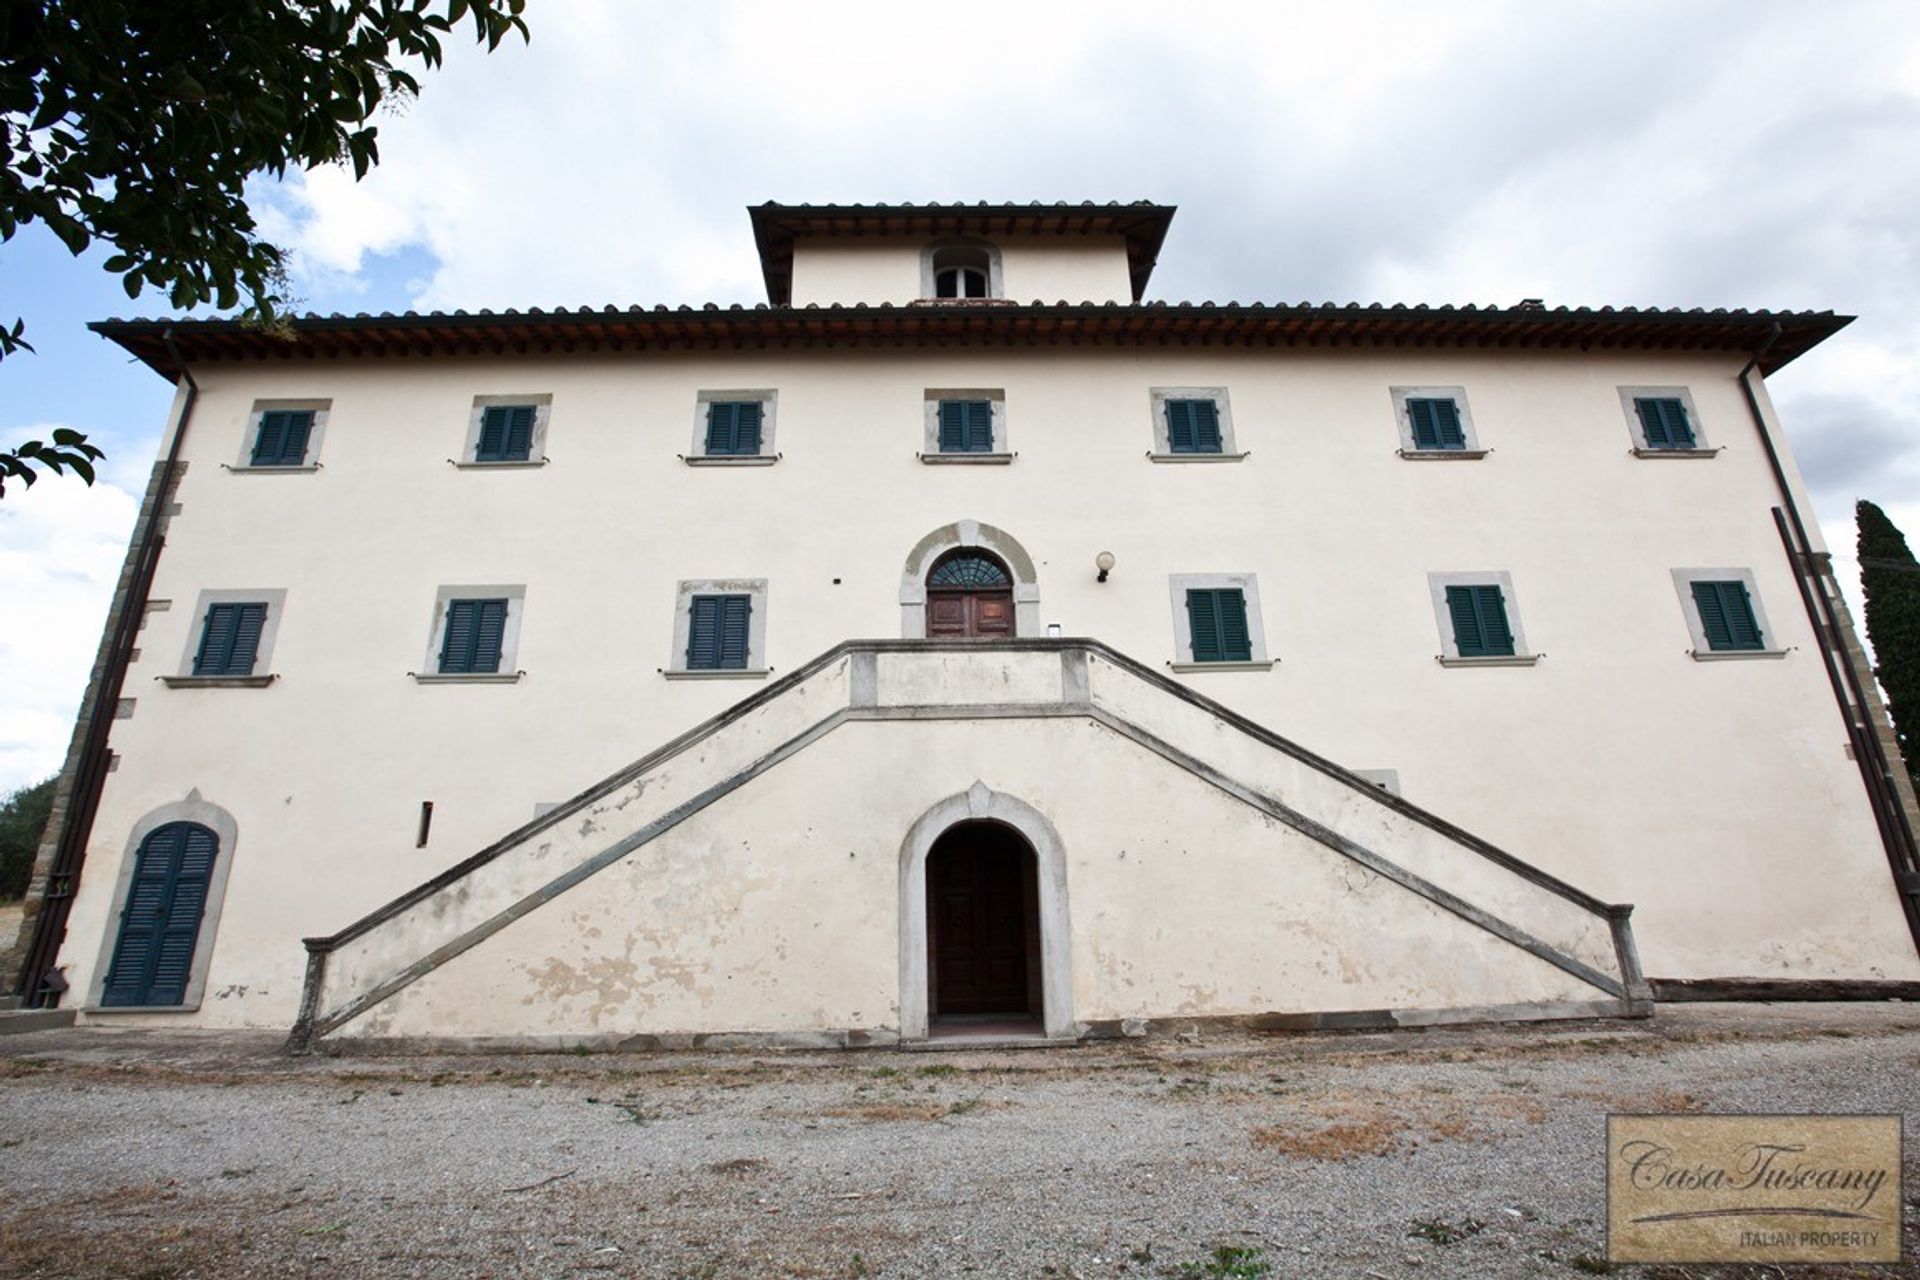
{"x":977,"y":804}
{"x":225,"y":830}
{"x":953,"y":537}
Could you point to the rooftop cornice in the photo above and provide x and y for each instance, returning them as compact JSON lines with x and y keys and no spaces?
{"x":1142,"y":224}
{"x":1086,"y":325}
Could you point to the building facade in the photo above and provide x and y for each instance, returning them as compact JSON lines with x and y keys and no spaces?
{"x":922,"y":653}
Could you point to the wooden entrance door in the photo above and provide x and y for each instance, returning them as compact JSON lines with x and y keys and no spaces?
{"x":969,"y":593}
{"x":160,"y":924}
{"x":983,"y":908}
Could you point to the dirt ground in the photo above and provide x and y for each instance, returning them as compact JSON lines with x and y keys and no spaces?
{"x":1438,"y":1153}
{"x":10,"y":913}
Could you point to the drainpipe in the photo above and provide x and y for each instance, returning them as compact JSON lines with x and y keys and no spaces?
{"x":1876,"y":772}
{"x":37,"y":983}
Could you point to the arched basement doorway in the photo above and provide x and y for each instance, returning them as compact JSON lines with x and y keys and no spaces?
{"x":983,"y":933}
{"x":969,"y":595}
{"x":957,"y":823}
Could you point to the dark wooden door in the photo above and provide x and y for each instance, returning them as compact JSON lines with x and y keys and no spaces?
{"x":977,"y":894}
{"x":160,"y":924}
{"x":969,"y":613}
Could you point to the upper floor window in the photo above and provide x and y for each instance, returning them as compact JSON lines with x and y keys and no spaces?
{"x":1479,"y":620}
{"x":283,"y":435}
{"x":734,"y":428}
{"x":1663,"y":422}
{"x":507,"y":431}
{"x":720,"y":629}
{"x":960,"y":270}
{"x":475,"y":636}
{"x":1216,"y":622}
{"x":1435,"y":423}
{"x":1192,"y":424}
{"x":233,"y":641}
{"x":1724,"y":614}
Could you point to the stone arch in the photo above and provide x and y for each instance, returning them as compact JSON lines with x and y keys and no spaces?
{"x":195,"y":809}
{"x":952,"y":537}
{"x":976,"y":804}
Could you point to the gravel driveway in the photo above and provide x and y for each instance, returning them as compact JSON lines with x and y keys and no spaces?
{"x":1447,"y":1153}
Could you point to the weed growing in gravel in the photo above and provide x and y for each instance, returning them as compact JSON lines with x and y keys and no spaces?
{"x":1228,"y":1262}
{"x":939,"y":1069}
{"x":1440,"y":1231}
{"x":1593,"y":1265}
{"x":883,"y":1073}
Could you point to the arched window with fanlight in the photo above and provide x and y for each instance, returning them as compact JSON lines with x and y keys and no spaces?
{"x":966,"y":270}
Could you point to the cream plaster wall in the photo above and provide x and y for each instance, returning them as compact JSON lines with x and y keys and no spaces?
{"x":1716,"y":796}
{"x":775,"y":909}
{"x":876,"y":270}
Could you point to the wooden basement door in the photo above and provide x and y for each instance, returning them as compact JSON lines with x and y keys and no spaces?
{"x":981,"y":897}
{"x":969,"y":594}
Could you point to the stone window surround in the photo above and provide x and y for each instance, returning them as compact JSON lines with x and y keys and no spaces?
{"x":1403,"y":421}
{"x":698,"y":456}
{"x":1641,"y":449}
{"x":322,"y":410}
{"x":756,"y":668}
{"x":1178,"y":584}
{"x":536,"y":449}
{"x":930,"y":444}
{"x":509,"y":672}
{"x":1683,"y":580}
{"x":225,"y":832}
{"x":1437,"y":584}
{"x":1162,"y":436}
{"x":275,"y":598}
{"x":996,"y":283}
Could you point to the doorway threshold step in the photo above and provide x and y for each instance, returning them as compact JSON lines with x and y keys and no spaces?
{"x":941,"y":1042}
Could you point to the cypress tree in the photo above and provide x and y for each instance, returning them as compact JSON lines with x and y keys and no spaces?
{"x":1890,"y":582}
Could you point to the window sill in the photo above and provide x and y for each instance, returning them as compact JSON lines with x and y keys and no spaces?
{"x":1197,"y":457}
{"x":730,"y":459}
{"x":467,"y":677}
{"x":120,"y":1010}
{"x":721,"y":673}
{"x":218,"y":682}
{"x":1257,"y":664}
{"x":1500,"y":660}
{"x":1734,"y":655}
{"x":518,"y":465}
{"x":1443,"y":455}
{"x":267,"y":469}
{"x":1641,"y":451}
{"x":964,"y":459}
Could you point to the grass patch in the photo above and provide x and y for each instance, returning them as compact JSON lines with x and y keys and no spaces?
{"x":937,"y":1070}
{"x":1593,"y":1265}
{"x":1341,"y":1140}
{"x":1228,"y":1262}
{"x":1440,"y":1231}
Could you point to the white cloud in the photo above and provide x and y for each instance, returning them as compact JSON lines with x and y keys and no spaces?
{"x":61,"y":546}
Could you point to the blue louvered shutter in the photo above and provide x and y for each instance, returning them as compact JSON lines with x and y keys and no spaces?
{"x":1193,"y":426}
{"x":717,"y":633}
{"x":733,"y":428}
{"x":966,"y":426}
{"x":475,"y":632}
{"x":230,"y":640}
{"x":1436,"y":424}
{"x":1663,"y":421}
{"x":282,"y":441}
{"x":506,"y":433}
{"x":1726,"y":615}
{"x":160,"y":923}
{"x":1479,"y":616}
{"x":1217,"y":619}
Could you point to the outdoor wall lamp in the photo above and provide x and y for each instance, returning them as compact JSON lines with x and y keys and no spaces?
{"x":1104,"y":563}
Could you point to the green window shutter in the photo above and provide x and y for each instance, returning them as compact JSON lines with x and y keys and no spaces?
{"x":160,"y":924}
{"x":733,"y":428}
{"x":966,"y":426}
{"x":506,"y":433}
{"x":1663,"y":421}
{"x":1436,"y":424}
{"x":1193,"y":426}
{"x":474,"y":636}
{"x":1479,"y":617}
{"x":282,"y":441}
{"x":230,"y":640}
{"x":1217,"y":620}
{"x":1726,"y":615}
{"x":717,"y":632}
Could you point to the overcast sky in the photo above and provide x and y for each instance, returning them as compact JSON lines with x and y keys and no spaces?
{"x":1658,"y":154}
